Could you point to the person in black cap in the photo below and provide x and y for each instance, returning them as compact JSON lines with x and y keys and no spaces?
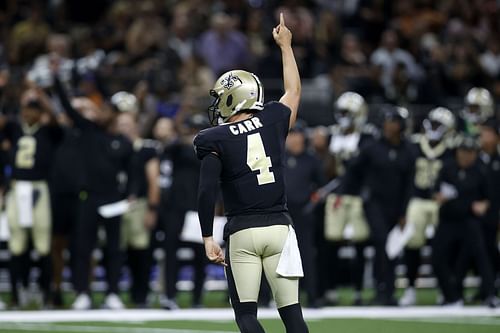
{"x":385,"y":168}
{"x":462,"y":192}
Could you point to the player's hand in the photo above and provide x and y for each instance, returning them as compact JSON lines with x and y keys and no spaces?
{"x":440,"y":198}
{"x":150,"y":219}
{"x":282,"y":35}
{"x":479,"y":208}
{"x":213,"y":251}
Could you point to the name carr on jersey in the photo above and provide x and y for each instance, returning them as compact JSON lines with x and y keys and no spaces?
{"x":246,"y":126}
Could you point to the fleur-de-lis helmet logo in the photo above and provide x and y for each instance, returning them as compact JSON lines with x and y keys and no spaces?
{"x":228,"y":82}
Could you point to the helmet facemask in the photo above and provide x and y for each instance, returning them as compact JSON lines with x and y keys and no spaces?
{"x":344,"y":119}
{"x":439,"y":123}
{"x":213,"y":110}
{"x":434,"y":131}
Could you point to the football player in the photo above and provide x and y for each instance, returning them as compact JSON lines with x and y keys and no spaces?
{"x":344,"y":207}
{"x":182,"y":167}
{"x":479,"y":107}
{"x":144,"y":190}
{"x":432,"y":148}
{"x":33,"y":141}
{"x":246,"y":154}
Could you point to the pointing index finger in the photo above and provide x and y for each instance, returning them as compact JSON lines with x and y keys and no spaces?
{"x":282,"y":19}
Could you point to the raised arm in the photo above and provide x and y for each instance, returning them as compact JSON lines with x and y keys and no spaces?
{"x":77,"y":118}
{"x":291,"y":77}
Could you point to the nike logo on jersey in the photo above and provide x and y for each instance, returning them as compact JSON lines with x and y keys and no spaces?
{"x":246,"y":126}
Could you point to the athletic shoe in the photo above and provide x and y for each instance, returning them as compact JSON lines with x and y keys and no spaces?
{"x":113,"y":302}
{"x":492,"y":302}
{"x":409,"y":297}
{"x":168,"y":304}
{"x":456,"y":304}
{"x":82,"y":302}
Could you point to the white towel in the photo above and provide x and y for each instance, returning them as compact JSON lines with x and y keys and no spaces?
{"x":24,"y":200}
{"x":448,"y":191}
{"x":114,"y":209}
{"x":290,"y":264}
{"x":397,"y":239}
{"x":191,"y":230}
{"x":4,"y":227}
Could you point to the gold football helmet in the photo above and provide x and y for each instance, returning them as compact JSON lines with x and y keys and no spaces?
{"x":439,"y":123}
{"x":235,"y":91}
{"x":350,"y":110}
{"x":479,"y":106}
{"x":125,"y":102}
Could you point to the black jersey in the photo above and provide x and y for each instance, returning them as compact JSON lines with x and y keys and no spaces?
{"x":33,"y":148}
{"x":104,"y":155}
{"x":252,"y":153}
{"x":428,"y":163}
{"x":386,"y":172}
{"x":67,"y":170}
{"x":144,"y":151}
{"x":345,"y":147}
{"x":469,"y":185}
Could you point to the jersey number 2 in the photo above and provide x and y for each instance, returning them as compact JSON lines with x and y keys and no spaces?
{"x":258,"y":161}
{"x":25,"y":157}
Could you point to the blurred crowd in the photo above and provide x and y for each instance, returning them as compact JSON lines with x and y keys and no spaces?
{"x":100,"y":102}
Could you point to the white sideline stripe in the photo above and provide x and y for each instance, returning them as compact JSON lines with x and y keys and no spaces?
{"x":96,"y":329}
{"x":227,"y":314}
{"x":488,"y":321}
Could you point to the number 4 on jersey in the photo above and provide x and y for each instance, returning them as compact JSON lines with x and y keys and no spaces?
{"x":258,"y":161}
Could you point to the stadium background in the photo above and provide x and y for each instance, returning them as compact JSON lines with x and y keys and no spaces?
{"x":159,"y":51}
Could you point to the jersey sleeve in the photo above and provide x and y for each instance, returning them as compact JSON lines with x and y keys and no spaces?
{"x":278,"y":110}
{"x":204,"y":144}
{"x":279,"y":113}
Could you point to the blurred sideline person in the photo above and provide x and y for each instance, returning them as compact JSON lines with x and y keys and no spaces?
{"x":34,"y":140}
{"x":144,"y":191}
{"x":65,"y":185}
{"x":303,"y":176}
{"x":385,"y":168}
{"x":246,"y":154}
{"x":181,"y":199}
{"x":105,"y":156}
{"x":432,"y":149}
{"x":462,"y":191}
{"x":490,"y":157}
{"x":344,"y":207}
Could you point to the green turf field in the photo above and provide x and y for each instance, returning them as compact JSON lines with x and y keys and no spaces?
{"x":130,"y":321}
{"x":422,"y":325}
